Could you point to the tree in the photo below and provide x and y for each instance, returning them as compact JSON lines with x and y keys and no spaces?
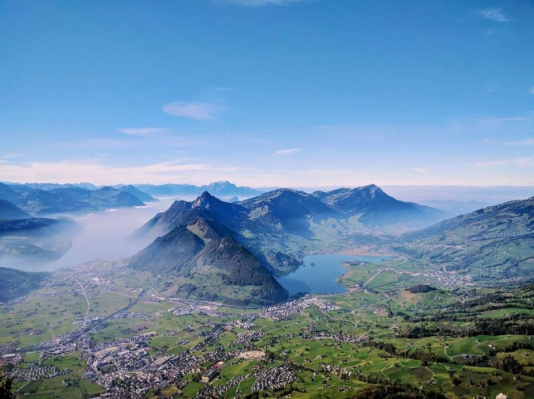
{"x":6,"y":388}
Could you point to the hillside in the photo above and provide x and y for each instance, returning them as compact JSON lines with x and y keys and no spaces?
{"x":375,"y":208}
{"x":10,"y":211}
{"x":37,"y":238}
{"x":16,"y":283}
{"x":212,"y":266}
{"x":494,"y":242}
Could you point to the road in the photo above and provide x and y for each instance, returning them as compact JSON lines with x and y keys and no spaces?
{"x":88,"y":303}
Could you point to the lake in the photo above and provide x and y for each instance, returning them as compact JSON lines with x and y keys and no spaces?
{"x":321,"y":277}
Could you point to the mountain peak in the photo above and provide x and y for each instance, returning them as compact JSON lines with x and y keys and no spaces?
{"x":205,"y":200}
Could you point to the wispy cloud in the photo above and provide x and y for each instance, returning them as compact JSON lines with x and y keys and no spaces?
{"x":532,"y":90}
{"x":521,"y":142}
{"x":260,"y":3}
{"x":493,"y":14}
{"x":99,"y":173}
{"x":420,"y":170}
{"x":288,"y":151}
{"x":199,"y":111}
{"x":495,"y":121}
{"x":518,"y":162}
{"x":142,"y":131}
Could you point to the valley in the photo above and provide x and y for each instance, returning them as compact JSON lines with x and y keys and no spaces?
{"x":217,"y":303}
{"x":102,"y":327}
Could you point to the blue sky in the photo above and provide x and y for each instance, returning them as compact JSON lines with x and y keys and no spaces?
{"x":267,"y":92}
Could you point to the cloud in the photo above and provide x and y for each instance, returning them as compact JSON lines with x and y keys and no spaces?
{"x":532,"y":90}
{"x":142,"y":131}
{"x":493,"y":14}
{"x":260,"y":3}
{"x":199,"y":111}
{"x":495,"y":121}
{"x":521,"y":142}
{"x":420,"y":170}
{"x":106,"y":174}
{"x":289,"y":151}
{"x":518,"y":162}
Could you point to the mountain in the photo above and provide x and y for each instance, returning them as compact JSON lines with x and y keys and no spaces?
{"x":66,"y":199}
{"x":52,"y":186}
{"x":282,"y":226}
{"x":16,"y":283}
{"x":39,"y":238}
{"x":223,"y":189}
{"x":7,"y":193}
{"x":289,"y":209}
{"x":41,"y":202}
{"x":142,"y":196}
{"x":492,"y":244}
{"x":375,"y":207}
{"x":211,"y":264}
{"x":226,"y":189}
{"x":109,"y":197}
{"x":184,"y":212}
{"x":268,"y":242}
{"x":10,"y":211}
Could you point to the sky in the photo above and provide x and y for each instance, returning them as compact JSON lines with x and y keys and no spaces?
{"x":264,"y":93}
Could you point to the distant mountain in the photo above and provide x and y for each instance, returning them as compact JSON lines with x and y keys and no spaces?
{"x":66,"y":199}
{"x":107,"y":197}
{"x":52,"y":186}
{"x":41,"y":202}
{"x":223,"y":189}
{"x":39,"y":238}
{"x":169,"y":190}
{"x":375,"y":207}
{"x":214,"y":266}
{"x":132,"y":190}
{"x":16,"y":283}
{"x":10,"y":211}
{"x":455,"y":208}
{"x":492,"y":244}
{"x":226,"y":189}
{"x":7,"y":193}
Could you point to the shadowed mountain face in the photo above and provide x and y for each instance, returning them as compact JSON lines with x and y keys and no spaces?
{"x":492,"y":243}
{"x":16,"y":283}
{"x":213,"y":264}
{"x":375,"y":207}
{"x":10,"y":211}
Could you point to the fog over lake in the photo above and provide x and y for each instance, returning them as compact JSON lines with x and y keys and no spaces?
{"x":101,"y":235}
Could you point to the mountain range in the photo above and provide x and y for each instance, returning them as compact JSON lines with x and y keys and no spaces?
{"x":68,"y":199}
{"x":271,"y":232}
{"x":222,"y":189}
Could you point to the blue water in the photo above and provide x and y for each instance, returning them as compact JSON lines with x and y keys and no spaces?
{"x":321,"y":278}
